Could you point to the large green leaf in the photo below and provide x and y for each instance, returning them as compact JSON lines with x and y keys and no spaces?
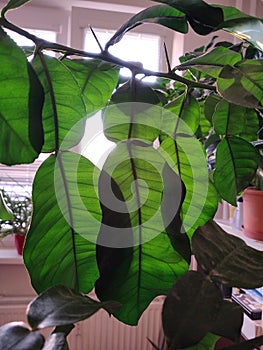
{"x":229,"y":321}
{"x":185,"y":106}
{"x":185,"y":154}
{"x":64,"y":107}
{"x":133,"y":114}
{"x":236,"y":164}
{"x":21,"y":100}
{"x":16,"y":335}
{"x":202,"y":17}
{"x":154,"y":267}
{"x":230,"y":119}
{"x":251,"y":125}
{"x":242,"y":25}
{"x":243,"y":83}
{"x":132,"y":274}
{"x":172,"y":200}
{"x":137,"y":170}
{"x":232,"y":263}
{"x":213,"y":61}
{"x":60,"y":245}
{"x":191,"y":298}
{"x":12,"y":4}
{"x":96,"y":79}
{"x":61,"y":306}
{"x":145,"y":125}
{"x":161,"y":14}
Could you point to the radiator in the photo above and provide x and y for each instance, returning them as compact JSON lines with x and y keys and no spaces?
{"x":99,"y":332}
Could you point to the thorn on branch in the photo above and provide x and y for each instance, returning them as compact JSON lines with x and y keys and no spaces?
{"x":96,"y":38}
{"x":167,"y":58}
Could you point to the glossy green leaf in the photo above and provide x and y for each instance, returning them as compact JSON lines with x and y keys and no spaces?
{"x":191,"y":298}
{"x":205,"y":124}
{"x":21,"y":98}
{"x":172,"y":200}
{"x":134,"y":115}
{"x":64,"y":107}
{"x":243,"y":83}
{"x":236,"y":164}
{"x":17,"y":336}
{"x":251,"y":127}
{"x":96,"y":79}
{"x":61,"y":306}
{"x":137,"y":170}
{"x":229,"y":321}
{"x":210,"y":106}
{"x":228,"y":119}
{"x":58,"y":338}
{"x":242,"y":25}
{"x":60,"y":245}
{"x":164,"y":15}
{"x":202,"y":17}
{"x":154,"y":267}
{"x":233,"y":263}
{"x":12,"y":4}
{"x":186,"y":156}
{"x":207,"y":343}
{"x":213,"y":61}
{"x":185,"y":106}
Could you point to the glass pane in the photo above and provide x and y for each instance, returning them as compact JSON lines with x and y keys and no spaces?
{"x":43,"y":34}
{"x":136,"y":47}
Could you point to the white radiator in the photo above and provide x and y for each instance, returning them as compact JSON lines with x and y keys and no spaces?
{"x":99,"y":332}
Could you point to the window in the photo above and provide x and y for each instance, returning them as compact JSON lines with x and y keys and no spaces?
{"x":22,"y":41}
{"x":144,"y":43}
{"x":136,"y":47}
{"x":43,"y":34}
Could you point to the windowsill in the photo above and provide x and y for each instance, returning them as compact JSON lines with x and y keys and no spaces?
{"x":226,"y":225}
{"x":10,"y":257}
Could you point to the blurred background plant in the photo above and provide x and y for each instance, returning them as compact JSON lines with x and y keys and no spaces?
{"x":19,"y":208}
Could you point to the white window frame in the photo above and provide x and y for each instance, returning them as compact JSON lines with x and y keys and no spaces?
{"x":83,"y":18}
{"x":42,"y":18}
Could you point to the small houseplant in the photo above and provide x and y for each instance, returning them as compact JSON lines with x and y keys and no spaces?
{"x":17,"y":224}
{"x":73,"y":238}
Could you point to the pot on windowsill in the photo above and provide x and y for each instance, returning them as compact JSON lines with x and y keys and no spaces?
{"x":19,"y":242}
{"x":252,"y":213}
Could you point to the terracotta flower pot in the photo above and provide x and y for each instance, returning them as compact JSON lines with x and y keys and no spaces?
{"x":252,"y":213}
{"x":19,"y":243}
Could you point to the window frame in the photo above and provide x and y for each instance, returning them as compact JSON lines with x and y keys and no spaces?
{"x":83,"y":18}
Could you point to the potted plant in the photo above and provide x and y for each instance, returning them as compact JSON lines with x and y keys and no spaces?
{"x":17,"y":224}
{"x":253,"y":202}
{"x":129,"y":226}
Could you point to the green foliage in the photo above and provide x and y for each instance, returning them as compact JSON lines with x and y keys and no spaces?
{"x":58,"y":306}
{"x":163,"y":15}
{"x":21,"y":106}
{"x":129,"y":224}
